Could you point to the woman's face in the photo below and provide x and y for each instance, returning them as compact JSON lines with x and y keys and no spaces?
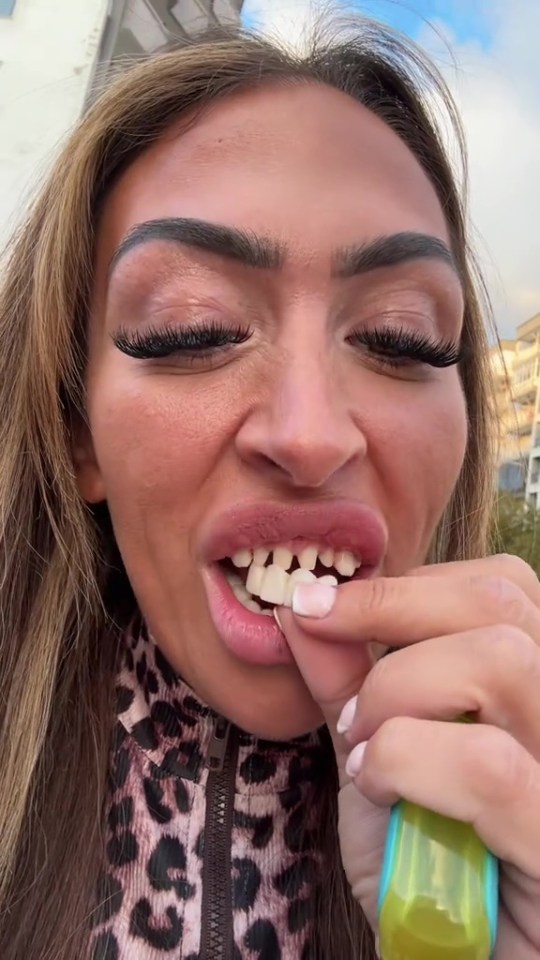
{"x":274,"y":297}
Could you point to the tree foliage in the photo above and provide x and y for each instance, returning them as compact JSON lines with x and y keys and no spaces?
{"x":516,"y":530}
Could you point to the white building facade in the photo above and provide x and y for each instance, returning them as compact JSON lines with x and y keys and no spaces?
{"x":54,"y":53}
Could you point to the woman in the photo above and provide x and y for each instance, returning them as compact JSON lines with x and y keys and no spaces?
{"x":239,"y":331}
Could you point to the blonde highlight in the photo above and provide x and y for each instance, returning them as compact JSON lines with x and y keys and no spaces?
{"x":60,"y":610}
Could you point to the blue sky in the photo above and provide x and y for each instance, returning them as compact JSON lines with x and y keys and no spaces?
{"x":494,"y":77}
{"x":467,"y":19}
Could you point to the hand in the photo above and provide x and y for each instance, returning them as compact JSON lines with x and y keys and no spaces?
{"x":469,"y":640}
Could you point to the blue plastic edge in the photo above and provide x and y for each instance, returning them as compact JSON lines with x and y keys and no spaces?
{"x":396,"y":815}
{"x":491,"y":880}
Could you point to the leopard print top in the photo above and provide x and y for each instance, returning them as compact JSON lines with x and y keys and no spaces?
{"x":211,"y":852}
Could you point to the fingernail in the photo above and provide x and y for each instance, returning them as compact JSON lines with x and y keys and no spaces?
{"x":276,"y":618}
{"x":355,"y":760}
{"x":346,"y":716}
{"x":313,"y":599}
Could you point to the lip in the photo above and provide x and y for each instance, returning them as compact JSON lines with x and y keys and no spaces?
{"x":341,"y":524}
{"x":251,"y":637}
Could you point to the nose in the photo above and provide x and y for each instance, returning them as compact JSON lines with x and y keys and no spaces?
{"x":302,"y":427}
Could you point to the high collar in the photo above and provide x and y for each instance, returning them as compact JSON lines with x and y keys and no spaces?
{"x":176,"y":730}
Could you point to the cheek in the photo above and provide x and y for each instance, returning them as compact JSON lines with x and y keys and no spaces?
{"x":419,"y":450}
{"x":157,"y":443}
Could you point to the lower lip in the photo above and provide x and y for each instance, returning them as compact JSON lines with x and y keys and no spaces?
{"x":252,"y":637}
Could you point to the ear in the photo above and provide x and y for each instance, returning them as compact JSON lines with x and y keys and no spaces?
{"x":87,"y":471}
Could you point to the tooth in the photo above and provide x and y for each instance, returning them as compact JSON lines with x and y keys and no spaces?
{"x":328,"y":579}
{"x":260,"y":556}
{"x":255,"y":579}
{"x":242,"y":558}
{"x":283,"y":557}
{"x":307,"y":558}
{"x":297,"y":576}
{"x":239,"y":591}
{"x":273,"y":584}
{"x":345,"y":563}
{"x":327,"y":557}
{"x":267,"y":613}
{"x":253,"y":606}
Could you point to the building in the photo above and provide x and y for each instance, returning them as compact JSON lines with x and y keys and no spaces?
{"x":55,"y":54}
{"x":517,"y":382}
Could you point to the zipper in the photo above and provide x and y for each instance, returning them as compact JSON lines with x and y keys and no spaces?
{"x":216,"y":910}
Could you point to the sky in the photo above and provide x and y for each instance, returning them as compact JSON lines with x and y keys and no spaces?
{"x":487,"y":52}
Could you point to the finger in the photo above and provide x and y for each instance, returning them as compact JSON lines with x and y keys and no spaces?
{"x":505,"y":566}
{"x":492,"y":672}
{"x":404,"y":610}
{"x":471,"y":772}
{"x":332,"y":672}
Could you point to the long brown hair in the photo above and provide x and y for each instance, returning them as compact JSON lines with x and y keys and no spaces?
{"x":59,"y":604}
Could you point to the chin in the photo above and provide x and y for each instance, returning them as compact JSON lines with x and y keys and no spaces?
{"x":271,"y":714}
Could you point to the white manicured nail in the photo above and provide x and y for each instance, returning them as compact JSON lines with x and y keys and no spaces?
{"x":347,"y":715}
{"x":276,"y":618}
{"x":313,"y":599}
{"x":355,"y":760}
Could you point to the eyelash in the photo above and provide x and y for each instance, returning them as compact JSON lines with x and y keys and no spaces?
{"x":391,"y":346}
{"x":197,"y":341}
{"x":398,"y":347}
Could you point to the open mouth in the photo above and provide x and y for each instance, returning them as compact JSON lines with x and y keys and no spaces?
{"x":264,"y":577}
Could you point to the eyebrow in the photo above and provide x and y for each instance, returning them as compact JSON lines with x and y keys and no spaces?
{"x":390,"y":251}
{"x":262,"y":253}
{"x":230,"y":242}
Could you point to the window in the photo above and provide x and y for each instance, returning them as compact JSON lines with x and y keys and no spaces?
{"x":6,"y":7}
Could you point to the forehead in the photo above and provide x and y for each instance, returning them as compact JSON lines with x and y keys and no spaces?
{"x":306,"y":164}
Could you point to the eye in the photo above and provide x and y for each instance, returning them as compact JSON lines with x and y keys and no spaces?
{"x":400,"y":347}
{"x":193,"y":342}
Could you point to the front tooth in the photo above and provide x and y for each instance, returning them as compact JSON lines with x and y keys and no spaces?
{"x":274,"y":584}
{"x":242,"y":558}
{"x":328,"y":579}
{"x":260,"y":556}
{"x":255,"y":579}
{"x":307,"y":558}
{"x":283,"y":557}
{"x":345,"y":563}
{"x":253,"y":606}
{"x":297,"y":576}
{"x":327,"y":557}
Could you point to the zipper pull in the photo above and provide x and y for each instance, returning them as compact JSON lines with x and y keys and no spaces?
{"x":219,"y":742}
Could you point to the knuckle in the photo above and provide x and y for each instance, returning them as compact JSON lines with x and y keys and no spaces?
{"x":387,"y":744}
{"x":513,"y":651}
{"x":379,"y":593}
{"x":516,"y":569}
{"x":505,"y":599}
{"x":496,"y":764}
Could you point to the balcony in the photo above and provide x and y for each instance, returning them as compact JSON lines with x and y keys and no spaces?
{"x":139,"y":28}
{"x":524,"y":351}
{"x":525,"y":389}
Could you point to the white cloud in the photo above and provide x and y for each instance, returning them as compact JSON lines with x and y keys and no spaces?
{"x":498,"y":93}
{"x":287,"y":20}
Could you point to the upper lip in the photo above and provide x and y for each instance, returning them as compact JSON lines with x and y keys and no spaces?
{"x":341,"y":524}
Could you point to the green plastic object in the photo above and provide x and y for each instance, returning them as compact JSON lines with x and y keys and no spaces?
{"x":439,"y":892}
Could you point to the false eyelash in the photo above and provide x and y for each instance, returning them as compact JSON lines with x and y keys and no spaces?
{"x":397,"y":345}
{"x":155,"y":344}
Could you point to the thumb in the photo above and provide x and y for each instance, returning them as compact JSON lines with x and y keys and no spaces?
{"x":333,"y":673}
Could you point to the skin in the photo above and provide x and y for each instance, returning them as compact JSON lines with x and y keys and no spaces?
{"x":293,"y":415}
{"x":467,"y":640}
